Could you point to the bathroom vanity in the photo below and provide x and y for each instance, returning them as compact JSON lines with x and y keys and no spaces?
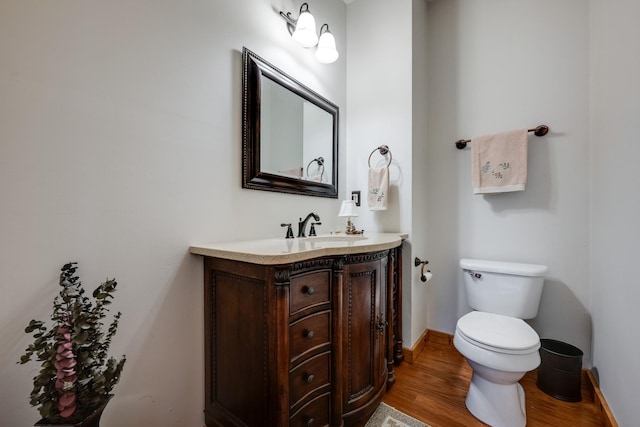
{"x":301,"y":332}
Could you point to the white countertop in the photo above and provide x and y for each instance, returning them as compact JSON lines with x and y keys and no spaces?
{"x":283,"y":251}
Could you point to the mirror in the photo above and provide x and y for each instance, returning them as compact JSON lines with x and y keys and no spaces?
{"x":289,"y":133}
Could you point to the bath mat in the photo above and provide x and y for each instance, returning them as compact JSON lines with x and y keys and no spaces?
{"x":387,"y":416}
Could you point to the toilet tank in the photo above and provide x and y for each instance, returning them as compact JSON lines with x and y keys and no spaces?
{"x":507,"y":288}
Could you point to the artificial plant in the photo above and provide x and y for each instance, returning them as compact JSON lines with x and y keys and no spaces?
{"x":76,"y":375}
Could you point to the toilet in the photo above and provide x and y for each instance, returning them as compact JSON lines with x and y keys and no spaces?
{"x":498,"y":344}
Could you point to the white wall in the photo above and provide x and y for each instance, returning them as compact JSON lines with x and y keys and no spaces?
{"x":379,"y":105}
{"x":421,"y":301}
{"x":493,"y":66}
{"x":382,"y":105}
{"x":120,"y":136}
{"x":615,"y":202}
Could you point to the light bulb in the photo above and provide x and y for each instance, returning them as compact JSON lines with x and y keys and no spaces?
{"x":326,"y":51}
{"x":305,"y":32}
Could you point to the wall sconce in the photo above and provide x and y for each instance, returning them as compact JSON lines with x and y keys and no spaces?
{"x":303,"y":30}
{"x":326,"y":51}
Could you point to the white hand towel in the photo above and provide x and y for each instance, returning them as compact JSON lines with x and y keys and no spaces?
{"x":378,"y":192}
{"x":499,"y":162}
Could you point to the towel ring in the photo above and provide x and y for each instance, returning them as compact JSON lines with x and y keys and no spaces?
{"x":384,"y":150}
{"x":320,"y":162}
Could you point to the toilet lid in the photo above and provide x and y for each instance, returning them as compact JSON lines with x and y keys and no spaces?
{"x":498,"y":333}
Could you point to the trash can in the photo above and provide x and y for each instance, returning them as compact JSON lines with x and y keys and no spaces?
{"x":560,"y":369}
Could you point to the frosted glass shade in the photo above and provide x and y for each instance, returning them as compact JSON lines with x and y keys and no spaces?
{"x":326,"y":51}
{"x":305,"y":32}
{"x":348,"y":208}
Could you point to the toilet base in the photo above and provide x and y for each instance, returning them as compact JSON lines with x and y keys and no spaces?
{"x":499,"y":405}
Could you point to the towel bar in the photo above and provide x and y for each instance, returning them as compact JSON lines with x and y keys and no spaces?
{"x":538,"y":131}
{"x":384,"y":150}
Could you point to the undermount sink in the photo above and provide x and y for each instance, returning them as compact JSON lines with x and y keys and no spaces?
{"x":336,"y":238}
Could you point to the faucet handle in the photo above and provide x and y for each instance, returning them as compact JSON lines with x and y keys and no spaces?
{"x":312,"y":232}
{"x":289,"y":230}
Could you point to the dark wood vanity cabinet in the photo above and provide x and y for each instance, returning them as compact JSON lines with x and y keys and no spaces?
{"x":309,"y":343}
{"x":365,"y":334}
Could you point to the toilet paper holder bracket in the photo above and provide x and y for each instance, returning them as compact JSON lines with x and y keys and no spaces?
{"x":417,"y":262}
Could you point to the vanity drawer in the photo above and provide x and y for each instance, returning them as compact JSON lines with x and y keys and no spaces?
{"x":309,"y":376}
{"x":310,"y":333}
{"x":309,"y":289}
{"x":313,"y":414}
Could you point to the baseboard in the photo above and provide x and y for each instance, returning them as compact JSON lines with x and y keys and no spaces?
{"x":410,"y":354}
{"x":439,"y":337}
{"x":598,"y":399}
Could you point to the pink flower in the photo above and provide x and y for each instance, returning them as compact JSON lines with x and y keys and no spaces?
{"x":65,"y":373}
{"x":65,"y":363}
{"x":67,"y":404}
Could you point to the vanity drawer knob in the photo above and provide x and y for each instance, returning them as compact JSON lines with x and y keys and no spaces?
{"x":310,"y":422}
{"x":309,"y":378}
{"x":309,"y":334}
{"x":310,"y":290}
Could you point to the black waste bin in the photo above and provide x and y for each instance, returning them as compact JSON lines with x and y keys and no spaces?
{"x":559,"y":371}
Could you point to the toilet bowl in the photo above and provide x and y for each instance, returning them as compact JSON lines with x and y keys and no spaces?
{"x":498,"y":344}
{"x":500,"y":350}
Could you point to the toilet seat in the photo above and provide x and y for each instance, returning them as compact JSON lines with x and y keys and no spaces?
{"x":498,"y":333}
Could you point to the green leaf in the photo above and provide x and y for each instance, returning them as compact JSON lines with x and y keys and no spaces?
{"x":41,"y":381}
{"x":33,"y":325}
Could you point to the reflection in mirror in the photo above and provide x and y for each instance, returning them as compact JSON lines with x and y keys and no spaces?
{"x":316,"y":153}
{"x":290,"y":133}
{"x":293,"y":149}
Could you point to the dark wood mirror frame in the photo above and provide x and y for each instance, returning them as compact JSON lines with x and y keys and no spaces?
{"x":254,"y":69}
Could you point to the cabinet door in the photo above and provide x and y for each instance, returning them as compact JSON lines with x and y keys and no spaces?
{"x":364,"y":332}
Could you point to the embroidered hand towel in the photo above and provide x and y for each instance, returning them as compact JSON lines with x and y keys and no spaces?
{"x":499,"y":162}
{"x":378,"y":192}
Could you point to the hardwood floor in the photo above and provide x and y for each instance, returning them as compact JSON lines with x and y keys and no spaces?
{"x":434,"y":388}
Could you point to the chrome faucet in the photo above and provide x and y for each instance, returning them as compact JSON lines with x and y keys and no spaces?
{"x":302,"y":225}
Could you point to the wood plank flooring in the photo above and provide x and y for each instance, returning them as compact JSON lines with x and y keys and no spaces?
{"x":434,"y":388}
